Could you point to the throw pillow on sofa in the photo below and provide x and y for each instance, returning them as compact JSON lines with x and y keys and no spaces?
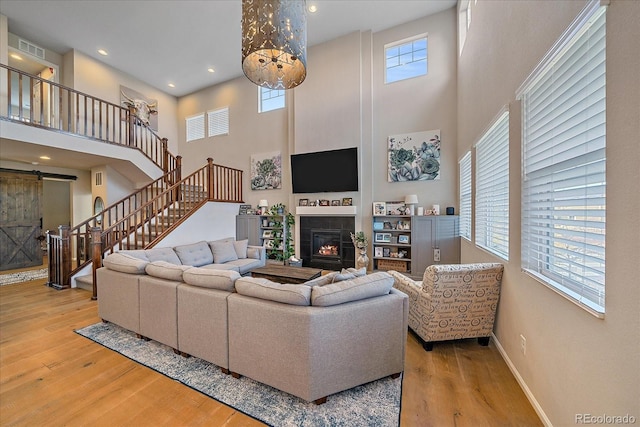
{"x":363,"y":287}
{"x":125,"y":263}
{"x":166,"y":270}
{"x":241,"y":248}
{"x":223,"y":251}
{"x":223,"y":280}
{"x":278,"y":292}
{"x":195,"y":254}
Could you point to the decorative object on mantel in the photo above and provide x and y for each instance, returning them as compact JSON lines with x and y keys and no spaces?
{"x":274,"y":42}
{"x":347,"y":201}
{"x":414,"y":156}
{"x":361,"y":242}
{"x":266,"y":171}
{"x":411,"y":200}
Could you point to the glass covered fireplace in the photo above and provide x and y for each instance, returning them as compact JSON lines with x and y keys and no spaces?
{"x":326,"y":245}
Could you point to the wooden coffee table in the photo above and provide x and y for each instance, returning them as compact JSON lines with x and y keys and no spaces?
{"x":286,"y":274}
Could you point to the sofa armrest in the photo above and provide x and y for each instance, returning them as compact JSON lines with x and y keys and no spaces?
{"x":257,"y":252}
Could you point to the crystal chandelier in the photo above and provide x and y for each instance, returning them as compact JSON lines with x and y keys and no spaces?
{"x":274,"y":42}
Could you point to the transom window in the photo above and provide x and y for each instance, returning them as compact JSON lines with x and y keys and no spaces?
{"x":270,"y":99}
{"x":406,"y":59}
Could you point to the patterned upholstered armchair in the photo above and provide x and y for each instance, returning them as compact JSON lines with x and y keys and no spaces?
{"x":452,"y":301}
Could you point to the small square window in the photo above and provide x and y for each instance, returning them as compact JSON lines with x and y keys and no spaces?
{"x":270,"y":99}
{"x":195,"y":127}
{"x":218,"y":122}
{"x":406,"y":59}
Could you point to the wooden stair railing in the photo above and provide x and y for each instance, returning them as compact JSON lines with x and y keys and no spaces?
{"x":144,"y":226}
{"x":56,"y":107}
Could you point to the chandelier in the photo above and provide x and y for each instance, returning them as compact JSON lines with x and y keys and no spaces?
{"x":274,"y":42}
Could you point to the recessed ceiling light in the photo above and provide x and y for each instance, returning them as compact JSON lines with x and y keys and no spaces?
{"x":313,"y":8}
{"x":103,"y":52}
{"x":172,"y":85}
{"x":45,"y":158}
{"x":211,"y":70}
{"x":16,"y":56}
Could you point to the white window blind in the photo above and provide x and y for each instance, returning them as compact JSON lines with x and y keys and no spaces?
{"x":195,"y":127}
{"x":218,"y":122}
{"x":465,"y":196}
{"x":564,"y":187}
{"x":492,"y":188}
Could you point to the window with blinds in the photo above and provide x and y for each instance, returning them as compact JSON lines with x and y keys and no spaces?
{"x":195,"y":127}
{"x":564,"y":182}
{"x":465,"y":196}
{"x":492,"y":188}
{"x":218,"y":122}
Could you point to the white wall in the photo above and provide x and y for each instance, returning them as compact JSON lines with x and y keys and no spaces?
{"x":575,"y":363}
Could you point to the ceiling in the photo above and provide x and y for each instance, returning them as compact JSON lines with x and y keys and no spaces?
{"x":162,"y":42}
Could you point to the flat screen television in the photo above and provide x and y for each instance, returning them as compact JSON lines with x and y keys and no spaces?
{"x":325,"y":171}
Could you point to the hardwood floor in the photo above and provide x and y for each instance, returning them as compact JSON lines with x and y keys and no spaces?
{"x":49,"y":375}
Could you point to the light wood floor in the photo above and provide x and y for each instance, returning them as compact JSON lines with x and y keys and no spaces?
{"x":51,"y":376}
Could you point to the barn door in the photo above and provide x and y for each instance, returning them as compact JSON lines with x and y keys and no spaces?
{"x":20,"y":220}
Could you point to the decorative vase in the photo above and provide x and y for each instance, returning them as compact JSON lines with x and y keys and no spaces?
{"x":363,"y":259}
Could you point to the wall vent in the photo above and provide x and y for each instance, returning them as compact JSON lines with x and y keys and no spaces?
{"x":98,"y":179}
{"x":31,"y":48}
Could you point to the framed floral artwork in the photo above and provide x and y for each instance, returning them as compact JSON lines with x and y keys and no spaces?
{"x":266,"y":171}
{"x":414,"y":156}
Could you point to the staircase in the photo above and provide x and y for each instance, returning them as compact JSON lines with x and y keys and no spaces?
{"x":137,"y":221}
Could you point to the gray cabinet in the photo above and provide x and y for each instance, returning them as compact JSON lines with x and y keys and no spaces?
{"x":411,"y":243}
{"x":263,"y":230}
{"x":248,"y":227}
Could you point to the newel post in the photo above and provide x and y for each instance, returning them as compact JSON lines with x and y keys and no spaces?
{"x":210,"y":178}
{"x":65,"y":248}
{"x":96,"y":257}
{"x":132,"y":123}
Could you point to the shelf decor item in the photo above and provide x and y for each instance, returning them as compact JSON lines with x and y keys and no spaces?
{"x":379,"y":208}
{"x":403,"y":238}
{"x":361,"y":242}
{"x":383,"y":237}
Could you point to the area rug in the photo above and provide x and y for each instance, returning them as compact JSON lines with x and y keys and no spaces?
{"x":23,"y":276}
{"x":373,"y":404}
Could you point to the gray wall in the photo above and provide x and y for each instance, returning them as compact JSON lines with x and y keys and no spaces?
{"x":575,"y":363}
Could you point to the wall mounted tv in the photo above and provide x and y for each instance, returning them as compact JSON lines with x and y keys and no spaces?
{"x":325,"y":171}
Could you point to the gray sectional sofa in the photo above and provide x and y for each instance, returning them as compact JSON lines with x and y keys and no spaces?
{"x":311,"y":340}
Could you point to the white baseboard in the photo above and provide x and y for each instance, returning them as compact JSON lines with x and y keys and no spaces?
{"x":523,"y":384}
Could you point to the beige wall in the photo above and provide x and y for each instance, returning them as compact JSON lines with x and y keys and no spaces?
{"x":342,"y":103}
{"x":102,"y":81}
{"x":575,"y":363}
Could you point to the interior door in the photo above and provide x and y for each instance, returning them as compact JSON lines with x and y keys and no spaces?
{"x":20,"y":220}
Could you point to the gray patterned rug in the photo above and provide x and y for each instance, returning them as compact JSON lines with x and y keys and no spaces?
{"x":373,"y":404}
{"x":23,"y":276}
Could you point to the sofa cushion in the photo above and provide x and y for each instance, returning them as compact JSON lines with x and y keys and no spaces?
{"x":226,"y":266}
{"x":326,"y":279}
{"x":358,"y":272}
{"x":209,"y":278}
{"x":223,"y":251}
{"x":254,"y":252}
{"x":245,"y":265}
{"x":166,"y":270}
{"x":196,"y":254}
{"x":369,"y":286}
{"x":162,"y":254}
{"x":241,"y":248}
{"x":137,"y":253}
{"x":268,"y":290}
{"x":125,"y":263}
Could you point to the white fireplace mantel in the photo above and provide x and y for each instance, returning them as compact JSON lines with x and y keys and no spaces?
{"x":326,"y":210}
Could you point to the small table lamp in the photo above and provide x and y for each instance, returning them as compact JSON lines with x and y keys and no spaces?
{"x":411,"y":200}
{"x":262,"y":204}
